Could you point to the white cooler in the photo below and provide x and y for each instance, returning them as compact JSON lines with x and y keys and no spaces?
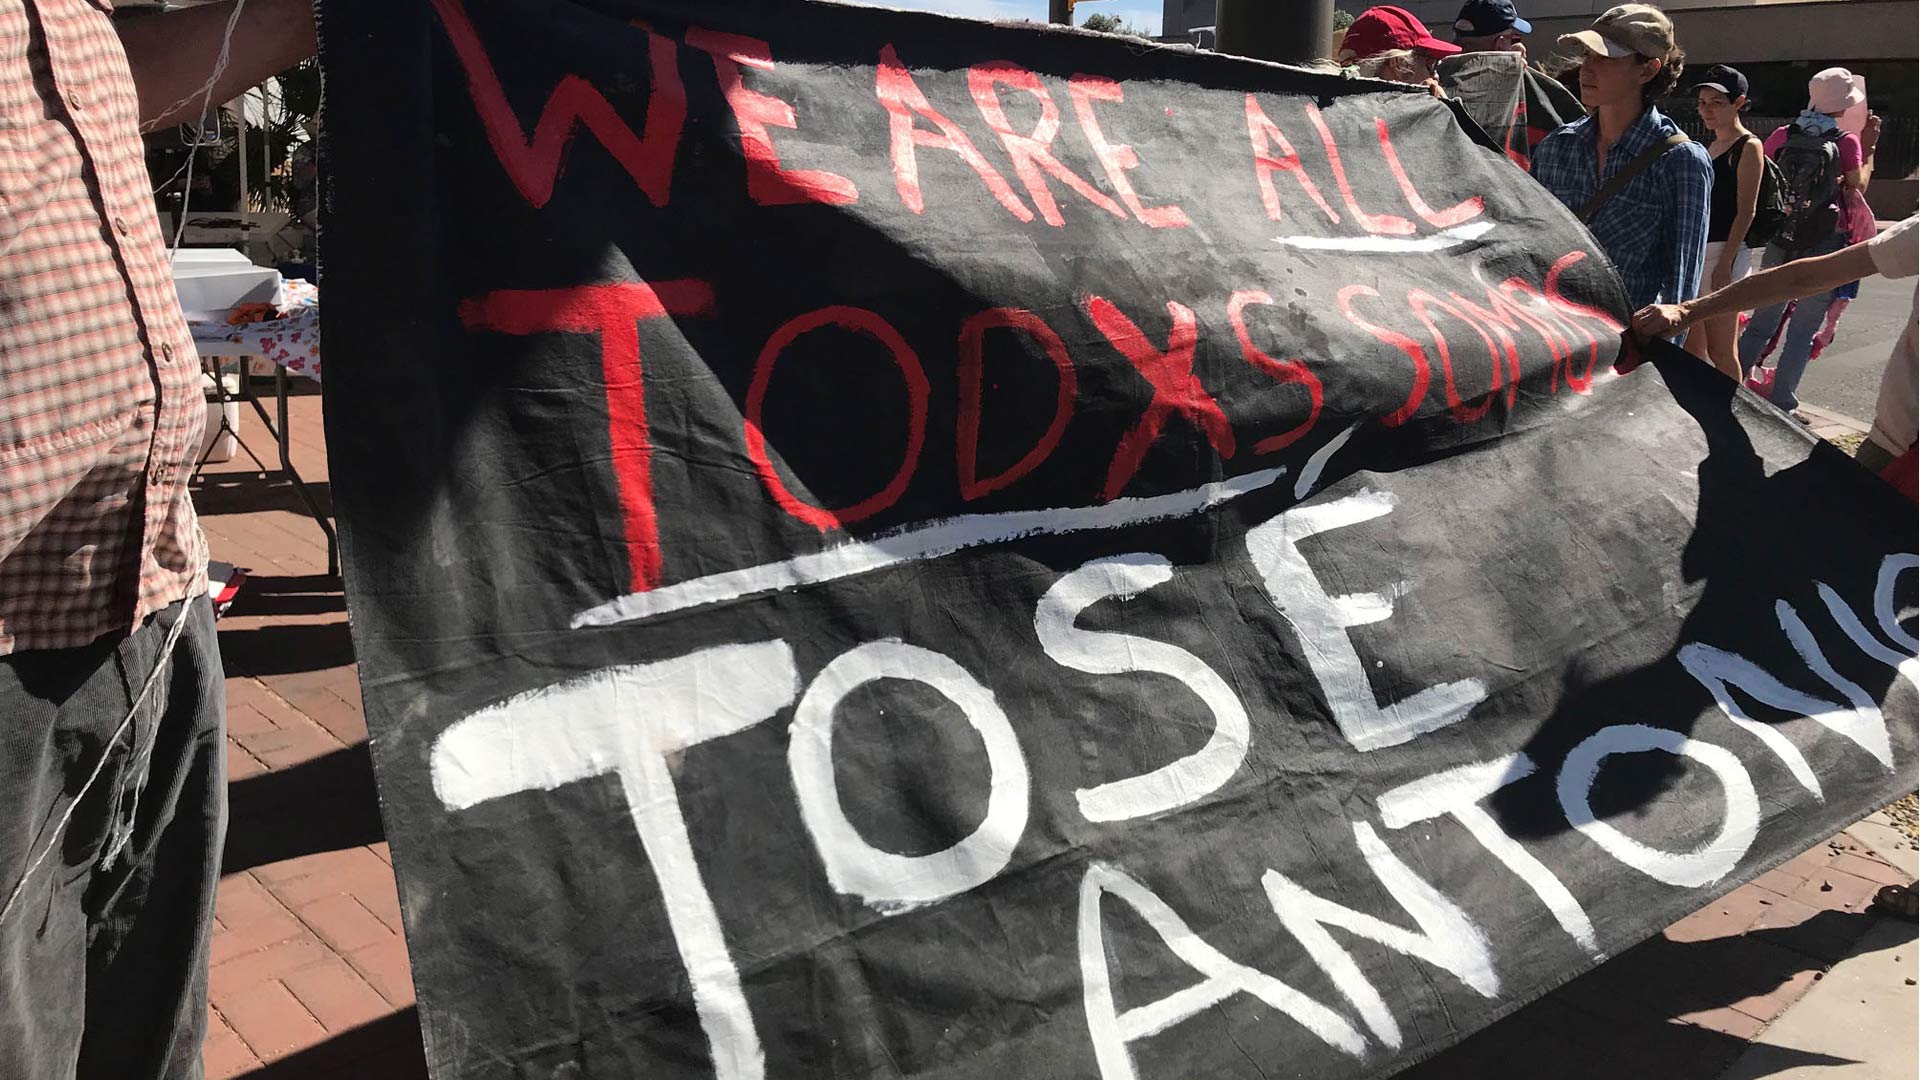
{"x":212,"y":280}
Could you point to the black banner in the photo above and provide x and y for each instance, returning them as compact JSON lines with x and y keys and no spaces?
{"x":1514,"y":104}
{"x":882,"y":545}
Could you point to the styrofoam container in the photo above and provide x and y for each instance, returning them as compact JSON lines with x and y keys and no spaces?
{"x":211,"y":281}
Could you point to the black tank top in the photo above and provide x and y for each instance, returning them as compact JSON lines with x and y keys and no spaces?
{"x":1724,"y":203}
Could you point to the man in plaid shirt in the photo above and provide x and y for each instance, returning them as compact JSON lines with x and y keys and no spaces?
{"x":112,"y":707}
{"x":1655,"y":227}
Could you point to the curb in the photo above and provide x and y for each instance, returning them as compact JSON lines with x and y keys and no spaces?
{"x":1828,"y":424}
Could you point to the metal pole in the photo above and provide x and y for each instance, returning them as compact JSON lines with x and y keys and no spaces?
{"x":1289,"y":31}
{"x":266,"y":152}
{"x":240,"y":152}
{"x":1060,"y":11}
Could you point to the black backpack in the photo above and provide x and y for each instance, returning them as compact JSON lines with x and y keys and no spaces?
{"x":1809,"y":166}
{"x":1770,"y":209}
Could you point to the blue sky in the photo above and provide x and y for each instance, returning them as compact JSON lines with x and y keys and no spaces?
{"x":1144,"y":14}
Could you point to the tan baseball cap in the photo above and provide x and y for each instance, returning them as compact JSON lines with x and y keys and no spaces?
{"x":1625,"y":31}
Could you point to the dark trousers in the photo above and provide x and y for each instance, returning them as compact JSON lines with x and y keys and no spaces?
{"x":1873,"y":457}
{"x":111,"y":822}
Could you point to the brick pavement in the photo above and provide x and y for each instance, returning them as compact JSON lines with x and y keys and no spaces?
{"x":1685,"y":1004}
{"x":309,"y":970}
{"x":310,"y":975}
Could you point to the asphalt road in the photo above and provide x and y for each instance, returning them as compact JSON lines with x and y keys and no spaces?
{"x":1846,"y":378}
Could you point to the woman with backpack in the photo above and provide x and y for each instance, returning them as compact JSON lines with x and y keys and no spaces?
{"x":1819,"y":164}
{"x":1738,"y":167}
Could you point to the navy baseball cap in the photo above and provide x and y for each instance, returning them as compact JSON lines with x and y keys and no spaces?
{"x":1485,"y":18}
{"x":1727,"y":80}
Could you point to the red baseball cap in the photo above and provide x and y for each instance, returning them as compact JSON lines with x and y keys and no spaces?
{"x":1384,"y":29}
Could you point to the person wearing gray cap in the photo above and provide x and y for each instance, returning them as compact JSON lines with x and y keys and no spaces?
{"x":1630,"y":173}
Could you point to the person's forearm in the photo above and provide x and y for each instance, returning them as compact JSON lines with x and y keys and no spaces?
{"x":171,"y":56}
{"x":1790,"y":281}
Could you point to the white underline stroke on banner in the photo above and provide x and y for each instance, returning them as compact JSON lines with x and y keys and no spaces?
{"x":919,"y":542}
{"x":1444,"y":240}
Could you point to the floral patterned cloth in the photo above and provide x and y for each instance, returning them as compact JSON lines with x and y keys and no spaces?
{"x":291,"y":341}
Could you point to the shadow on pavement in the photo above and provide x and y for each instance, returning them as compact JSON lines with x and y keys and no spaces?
{"x":289,"y":594}
{"x":386,"y":1049}
{"x":218,"y":494}
{"x":321,"y":805}
{"x":286,"y":649}
{"x":1652,"y":1012}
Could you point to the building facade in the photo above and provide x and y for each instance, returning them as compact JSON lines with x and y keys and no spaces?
{"x":1777,"y":44}
{"x":1716,"y":31}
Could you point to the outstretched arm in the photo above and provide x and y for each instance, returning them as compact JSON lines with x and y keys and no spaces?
{"x":1789,"y":281}
{"x":171,"y":56}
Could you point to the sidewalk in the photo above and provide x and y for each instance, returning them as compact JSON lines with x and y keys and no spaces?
{"x":310,"y":976}
{"x":1834,"y":427}
{"x":1687,"y":1004}
{"x":309,"y":969}
{"x":1863,"y":1012}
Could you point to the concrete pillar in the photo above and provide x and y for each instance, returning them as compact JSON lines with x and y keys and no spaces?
{"x":1289,"y":31}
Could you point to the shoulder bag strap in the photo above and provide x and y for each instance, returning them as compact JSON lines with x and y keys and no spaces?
{"x":1634,"y":168}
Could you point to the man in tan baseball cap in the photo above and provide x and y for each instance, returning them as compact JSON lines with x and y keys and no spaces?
{"x":1628,"y":30}
{"x":1630,"y":173}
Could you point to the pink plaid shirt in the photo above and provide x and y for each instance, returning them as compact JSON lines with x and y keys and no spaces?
{"x":100,"y":399}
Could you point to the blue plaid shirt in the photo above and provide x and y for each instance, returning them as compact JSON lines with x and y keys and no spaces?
{"x":1655,"y":228}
